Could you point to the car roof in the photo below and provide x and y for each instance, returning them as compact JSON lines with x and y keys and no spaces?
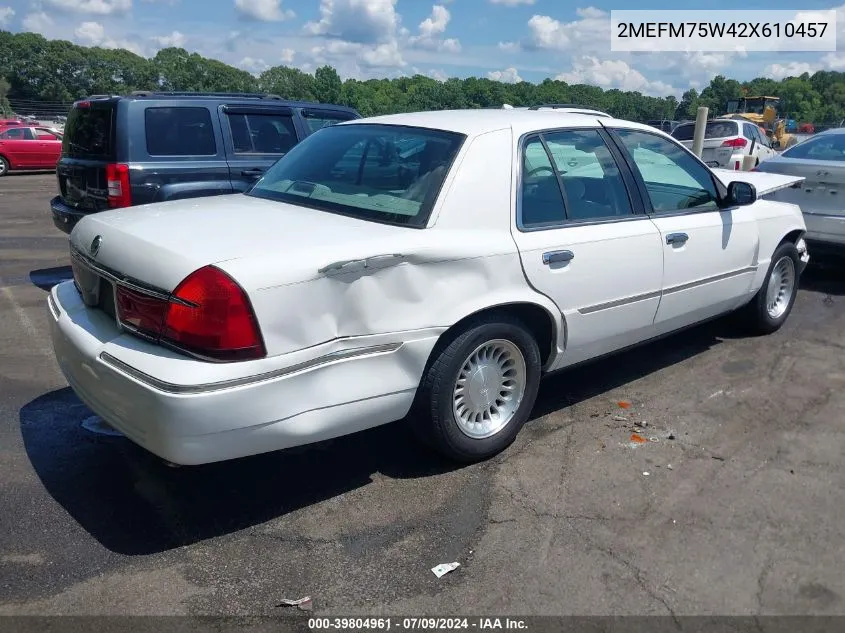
{"x":474,"y":122}
{"x":237,"y":98}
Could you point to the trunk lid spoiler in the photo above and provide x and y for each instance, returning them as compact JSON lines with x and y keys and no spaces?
{"x":764,"y":182}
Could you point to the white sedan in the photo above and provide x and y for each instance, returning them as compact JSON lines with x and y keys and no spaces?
{"x":429,"y":266}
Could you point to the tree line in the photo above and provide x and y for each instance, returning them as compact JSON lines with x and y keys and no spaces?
{"x":33,"y":68}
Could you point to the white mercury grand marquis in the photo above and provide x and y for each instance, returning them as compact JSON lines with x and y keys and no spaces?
{"x":430,"y":266}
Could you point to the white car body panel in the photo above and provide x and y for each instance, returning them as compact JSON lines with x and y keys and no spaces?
{"x":346,"y":348}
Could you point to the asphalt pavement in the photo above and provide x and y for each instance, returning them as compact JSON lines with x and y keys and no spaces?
{"x":733,"y":504}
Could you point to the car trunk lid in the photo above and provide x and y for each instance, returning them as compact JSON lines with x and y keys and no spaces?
{"x":161,"y":244}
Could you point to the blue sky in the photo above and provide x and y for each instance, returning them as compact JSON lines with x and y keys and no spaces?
{"x":507,"y":40}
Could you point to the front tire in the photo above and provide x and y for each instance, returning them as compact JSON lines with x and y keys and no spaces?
{"x":4,"y":166}
{"x":773,"y":303}
{"x":478,"y":389}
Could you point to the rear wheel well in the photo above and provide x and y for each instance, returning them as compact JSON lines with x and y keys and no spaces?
{"x":536,"y":319}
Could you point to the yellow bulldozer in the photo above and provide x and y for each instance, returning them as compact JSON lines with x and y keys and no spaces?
{"x":762,"y":111}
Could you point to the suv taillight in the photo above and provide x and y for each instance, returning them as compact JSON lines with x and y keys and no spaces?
{"x":735,"y":142}
{"x":208,"y":314}
{"x":117,"y":180}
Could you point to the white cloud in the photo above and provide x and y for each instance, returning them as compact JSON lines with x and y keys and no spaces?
{"x":381,"y":56}
{"x":790,"y":69}
{"x":92,"y":7}
{"x":264,"y":10}
{"x":94,"y":34}
{"x":287,"y":55}
{"x":512,"y":3}
{"x":611,"y":73}
{"x":590,"y":34}
{"x":359,"y":21}
{"x":37,"y":22}
{"x":6,"y":15}
{"x":430,"y":30}
{"x":834,"y":61}
{"x":433,"y":73}
{"x":508,"y":75}
{"x":508,"y":47}
{"x":175,"y":39}
{"x":254,"y":66}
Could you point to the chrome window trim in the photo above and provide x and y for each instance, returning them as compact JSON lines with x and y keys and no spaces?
{"x":177,"y":389}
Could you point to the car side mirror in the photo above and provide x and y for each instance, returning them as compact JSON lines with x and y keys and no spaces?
{"x":741,"y":194}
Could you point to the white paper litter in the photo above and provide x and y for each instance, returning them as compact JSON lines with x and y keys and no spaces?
{"x":304,"y":604}
{"x":444,"y":568}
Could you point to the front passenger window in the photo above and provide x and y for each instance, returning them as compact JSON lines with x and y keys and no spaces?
{"x":674,"y":180}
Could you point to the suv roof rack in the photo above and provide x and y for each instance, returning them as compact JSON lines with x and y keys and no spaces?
{"x":238,"y":95}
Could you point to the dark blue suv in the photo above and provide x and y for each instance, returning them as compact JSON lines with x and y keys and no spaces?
{"x":121,"y":151}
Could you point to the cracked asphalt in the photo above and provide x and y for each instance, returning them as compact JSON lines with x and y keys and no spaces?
{"x":742,"y":511}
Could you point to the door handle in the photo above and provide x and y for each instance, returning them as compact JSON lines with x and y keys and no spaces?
{"x":677,"y":238}
{"x":554,"y":257}
{"x":252,"y":173}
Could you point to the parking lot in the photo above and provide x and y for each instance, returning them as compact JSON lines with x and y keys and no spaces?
{"x":733,"y":505}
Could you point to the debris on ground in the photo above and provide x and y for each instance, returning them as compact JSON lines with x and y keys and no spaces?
{"x":303,"y":604}
{"x":646,"y":473}
{"x":620,"y":418}
{"x":444,"y":568}
{"x":624,"y":404}
{"x":643,"y":423}
{"x":669,"y":466}
{"x":716,"y":394}
{"x":671,"y":436}
{"x":718,"y":458}
{"x":654,"y":438}
{"x":638,"y":439}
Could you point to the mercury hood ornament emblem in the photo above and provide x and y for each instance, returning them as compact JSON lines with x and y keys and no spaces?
{"x":95,"y":246}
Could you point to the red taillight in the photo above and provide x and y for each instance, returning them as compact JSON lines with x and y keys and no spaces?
{"x":141,"y":311}
{"x":82,"y":104}
{"x":735,"y":142}
{"x":218,"y":323}
{"x":208,"y":314}
{"x":117,"y":180}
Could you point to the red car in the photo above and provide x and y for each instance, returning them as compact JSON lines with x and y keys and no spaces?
{"x":29,"y":148}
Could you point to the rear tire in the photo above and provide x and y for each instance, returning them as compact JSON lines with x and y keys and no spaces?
{"x":772,"y":304}
{"x":478,"y":389}
{"x":4,"y":166}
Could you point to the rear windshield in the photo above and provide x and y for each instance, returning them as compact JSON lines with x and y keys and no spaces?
{"x":714,"y":129}
{"x":824,"y":147}
{"x":386,"y":173}
{"x":89,"y":132}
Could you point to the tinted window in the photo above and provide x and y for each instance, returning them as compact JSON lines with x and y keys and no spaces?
{"x":89,"y":132}
{"x":18,"y":134}
{"x":179,"y":132}
{"x":385,"y":173}
{"x":46,"y":135}
{"x":713,"y":129}
{"x":318,"y":120}
{"x":748,"y":131}
{"x":824,"y":147}
{"x":262,"y":133}
{"x":592,"y":185}
{"x":674,"y":179}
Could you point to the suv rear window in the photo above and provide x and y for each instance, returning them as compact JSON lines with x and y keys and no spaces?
{"x":179,"y":132}
{"x":317,"y":120}
{"x":714,"y":129}
{"x":89,"y":132}
{"x":386,"y":173}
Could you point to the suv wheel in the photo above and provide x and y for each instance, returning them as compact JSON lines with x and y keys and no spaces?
{"x":479,"y":390}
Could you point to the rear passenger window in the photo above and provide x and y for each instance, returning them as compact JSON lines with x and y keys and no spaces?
{"x":179,"y":132}
{"x":262,"y":133}
{"x":580,"y":162}
{"x":318,"y":120}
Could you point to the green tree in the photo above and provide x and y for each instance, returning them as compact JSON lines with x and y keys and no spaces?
{"x":327,"y":85}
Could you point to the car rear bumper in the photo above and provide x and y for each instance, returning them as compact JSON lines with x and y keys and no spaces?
{"x":64,"y":217}
{"x":131,"y":384}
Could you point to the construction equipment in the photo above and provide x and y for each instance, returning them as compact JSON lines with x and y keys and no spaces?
{"x":762,"y":111}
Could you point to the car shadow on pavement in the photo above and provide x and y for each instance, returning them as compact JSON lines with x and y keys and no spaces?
{"x":46,"y":278}
{"x":825,"y":274}
{"x":133,"y":503}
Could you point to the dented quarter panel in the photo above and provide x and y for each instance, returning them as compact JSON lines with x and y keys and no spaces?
{"x":775,"y":221}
